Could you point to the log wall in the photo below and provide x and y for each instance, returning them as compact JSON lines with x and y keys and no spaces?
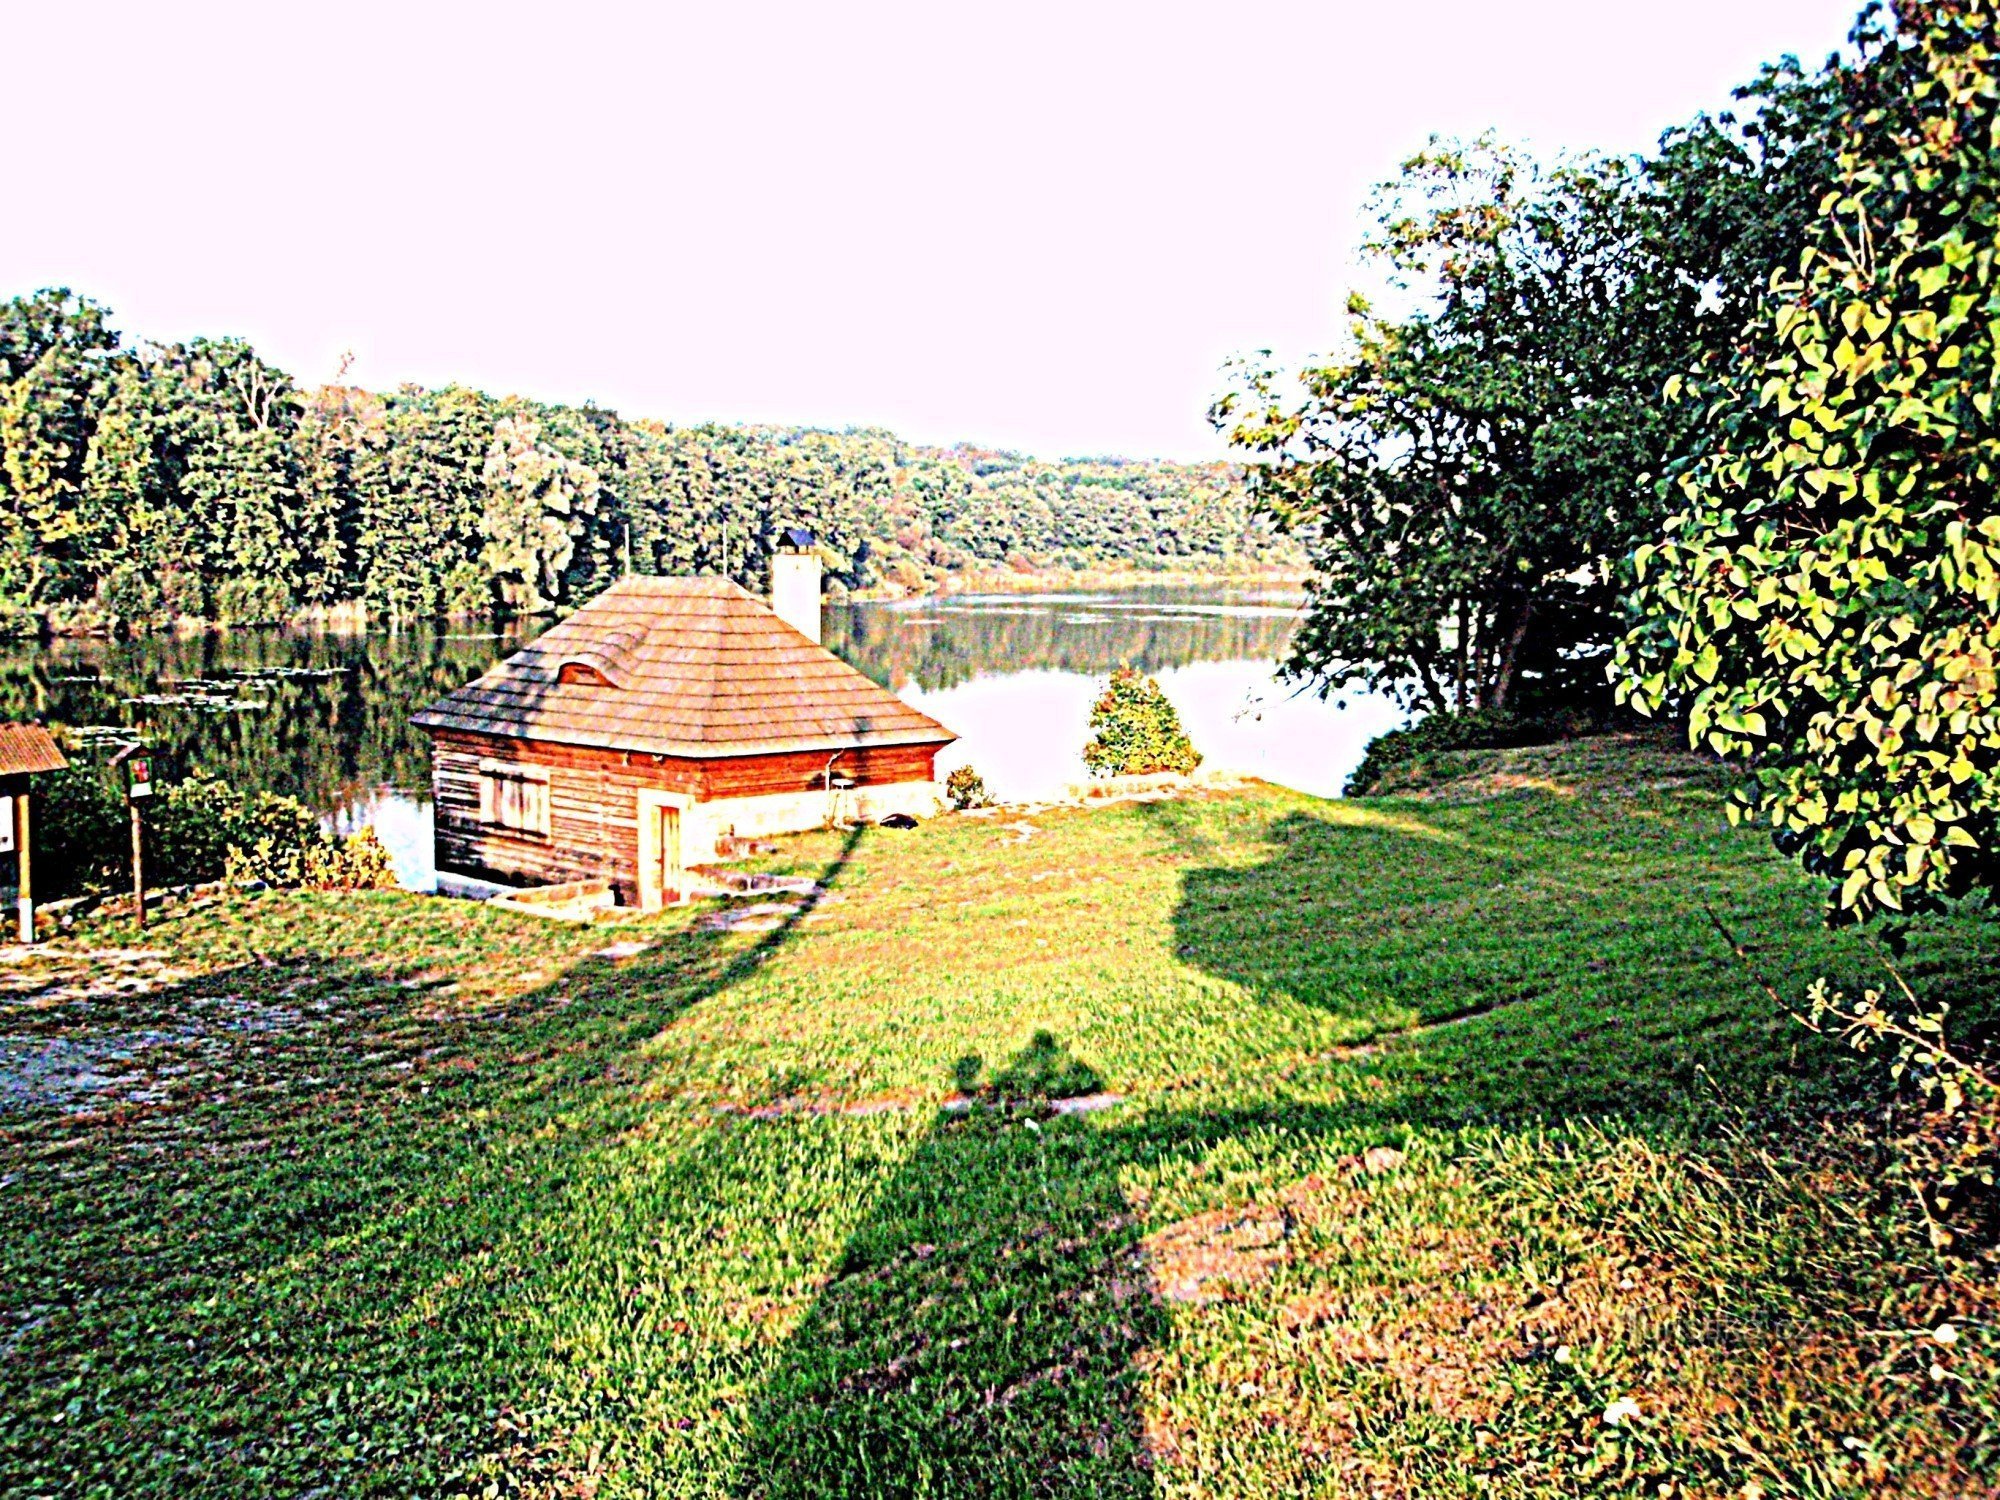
{"x":594,"y":802}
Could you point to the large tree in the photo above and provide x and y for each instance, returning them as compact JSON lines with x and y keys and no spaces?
{"x":1826,"y":605}
{"x":1467,"y":472}
{"x":56,"y":356}
{"x":535,"y":498}
{"x":1731,"y":196}
{"x":419,"y":499}
{"x":190,"y":485}
{"x":1475,"y":466}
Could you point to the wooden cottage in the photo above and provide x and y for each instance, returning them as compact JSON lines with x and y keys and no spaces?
{"x":664,"y":715}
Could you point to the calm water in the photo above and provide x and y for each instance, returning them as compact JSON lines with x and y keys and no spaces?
{"x":325,"y":718}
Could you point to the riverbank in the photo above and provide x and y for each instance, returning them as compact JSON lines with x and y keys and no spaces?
{"x":1426,"y":1148}
{"x":1089,"y":580}
{"x":84,"y":621}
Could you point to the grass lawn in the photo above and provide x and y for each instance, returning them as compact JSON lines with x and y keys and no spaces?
{"x":1446,"y":1123}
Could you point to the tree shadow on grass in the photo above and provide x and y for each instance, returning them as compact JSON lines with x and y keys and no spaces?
{"x":1572,"y":969}
{"x":309,"y":1244}
{"x":1296,"y":925}
{"x":1573,"y":972}
{"x":987,"y":1329}
{"x":979,"y":1332}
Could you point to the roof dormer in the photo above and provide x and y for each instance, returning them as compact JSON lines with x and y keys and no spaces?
{"x":601,"y":658}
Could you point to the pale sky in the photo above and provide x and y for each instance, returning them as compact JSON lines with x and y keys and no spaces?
{"x":1034,"y":226}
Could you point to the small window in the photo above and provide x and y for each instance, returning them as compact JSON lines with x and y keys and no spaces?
{"x":515,"y":797}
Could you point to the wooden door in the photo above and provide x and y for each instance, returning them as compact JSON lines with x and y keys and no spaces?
{"x":667,"y":840}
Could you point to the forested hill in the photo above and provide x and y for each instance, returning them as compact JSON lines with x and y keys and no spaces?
{"x":145,"y":482}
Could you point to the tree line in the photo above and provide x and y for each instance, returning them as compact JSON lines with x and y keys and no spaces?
{"x":146,"y":482}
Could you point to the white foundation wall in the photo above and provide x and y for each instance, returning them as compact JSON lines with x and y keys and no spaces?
{"x":796,"y":812}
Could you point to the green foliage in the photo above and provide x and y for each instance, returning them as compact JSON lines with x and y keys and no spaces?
{"x":537,"y":502}
{"x":1439,"y":734}
{"x":208,"y":830}
{"x":964,"y":788}
{"x":1135,"y":730}
{"x":81,"y":829}
{"x":55,"y":355}
{"x":196,"y":830}
{"x":1728,"y":197}
{"x":193,"y":824}
{"x":190,"y":481}
{"x":1464,"y":475}
{"x":287,"y":855}
{"x":1950,"y":1148}
{"x":359,"y":861}
{"x":1826,"y":605}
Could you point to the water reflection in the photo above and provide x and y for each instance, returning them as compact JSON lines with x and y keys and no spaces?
{"x":325,"y":717}
{"x":1016,"y":676}
{"x":944,"y":643}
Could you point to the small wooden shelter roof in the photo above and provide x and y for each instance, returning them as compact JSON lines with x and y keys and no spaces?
{"x":687,"y":667}
{"x":26,"y":749}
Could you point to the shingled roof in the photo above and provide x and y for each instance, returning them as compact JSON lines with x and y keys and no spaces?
{"x":26,"y":749}
{"x":682,"y":666}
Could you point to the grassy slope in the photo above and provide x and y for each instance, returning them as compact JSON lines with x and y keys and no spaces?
{"x":492,"y":1208}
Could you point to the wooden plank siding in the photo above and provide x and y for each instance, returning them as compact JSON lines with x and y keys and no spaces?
{"x":593,"y":800}
{"x":805,"y":770}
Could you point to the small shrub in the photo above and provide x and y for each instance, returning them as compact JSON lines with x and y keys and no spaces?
{"x":358,"y":862}
{"x":317,"y":861}
{"x":965,"y":788}
{"x":197,"y":830}
{"x":82,"y":832}
{"x":1136,"y":731}
{"x":191,"y":827}
{"x":1479,"y":729}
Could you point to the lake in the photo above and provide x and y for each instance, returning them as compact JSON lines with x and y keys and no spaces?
{"x":325,"y":717}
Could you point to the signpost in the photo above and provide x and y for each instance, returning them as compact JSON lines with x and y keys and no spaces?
{"x":138,"y":763}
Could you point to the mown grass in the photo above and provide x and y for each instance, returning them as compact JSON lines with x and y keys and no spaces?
{"x":423,"y":1198}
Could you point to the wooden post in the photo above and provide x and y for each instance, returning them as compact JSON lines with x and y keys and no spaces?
{"x":138,"y":865}
{"x":24,"y":842}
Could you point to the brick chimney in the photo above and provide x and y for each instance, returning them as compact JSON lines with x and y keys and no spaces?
{"x":795,"y":581}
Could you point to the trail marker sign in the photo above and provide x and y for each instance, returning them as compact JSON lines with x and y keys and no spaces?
{"x":139,"y":768}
